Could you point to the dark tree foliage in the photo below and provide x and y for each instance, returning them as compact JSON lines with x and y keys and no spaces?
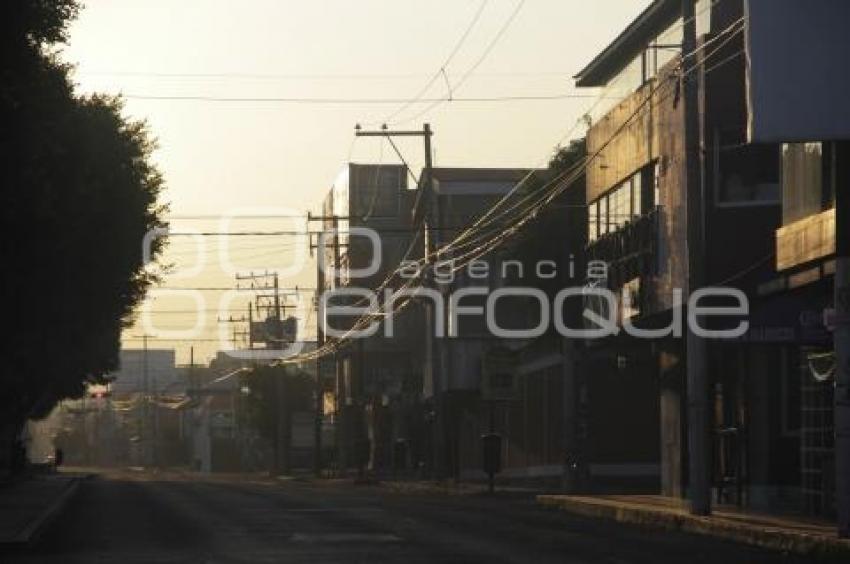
{"x":566,"y":158}
{"x":274,"y":391}
{"x":79,"y":194}
{"x":558,"y":232}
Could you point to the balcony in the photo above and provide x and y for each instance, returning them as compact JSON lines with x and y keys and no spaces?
{"x":805,"y":240}
{"x":630,"y":251}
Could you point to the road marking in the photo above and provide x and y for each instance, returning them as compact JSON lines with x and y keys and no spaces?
{"x":331,"y":510}
{"x":327,"y":538}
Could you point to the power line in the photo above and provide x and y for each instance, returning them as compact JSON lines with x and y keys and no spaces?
{"x":293,"y":290}
{"x":177,"y":339}
{"x":483,"y":221}
{"x":235,"y":252}
{"x":558,"y":185}
{"x":236,"y":233}
{"x":506,"y":233}
{"x":302,"y":76}
{"x":363,"y":101}
{"x":219,"y":216}
{"x":491,"y":46}
{"x":180,"y":311}
{"x":475,"y":65}
{"x":442,"y":70}
{"x":286,"y":232}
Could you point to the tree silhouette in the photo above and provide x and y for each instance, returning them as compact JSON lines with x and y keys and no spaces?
{"x":79,"y":194}
{"x":558,"y":232}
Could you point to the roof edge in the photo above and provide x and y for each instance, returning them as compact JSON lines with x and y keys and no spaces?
{"x":629,"y":41}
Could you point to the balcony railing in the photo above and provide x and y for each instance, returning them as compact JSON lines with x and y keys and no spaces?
{"x":805,"y":240}
{"x":629,"y":252}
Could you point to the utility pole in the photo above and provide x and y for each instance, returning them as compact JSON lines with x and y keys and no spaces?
{"x":235,"y":334}
{"x":282,"y":464}
{"x":841,"y":338}
{"x":699,"y":440}
{"x":422,"y":208}
{"x":146,"y":403}
{"x":250,"y":327}
{"x":340,"y":380}
{"x":427,"y":173}
{"x":146,"y":426}
{"x":192,"y":384}
{"x":569,"y":477}
{"x":321,"y":338}
{"x":282,"y":427}
{"x":320,"y":341}
{"x":319,"y":389}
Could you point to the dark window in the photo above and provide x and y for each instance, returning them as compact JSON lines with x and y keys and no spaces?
{"x":748,"y":174}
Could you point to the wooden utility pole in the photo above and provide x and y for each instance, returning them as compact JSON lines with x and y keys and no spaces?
{"x":421,"y":210}
{"x":340,"y":380}
{"x":320,"y":383}
{"x":192,"y":384}
{"x":282,"y":426}
{"x":699,"y":440}
{"x":283,"y":415}
{"x":146,"y":426}
{"x":319,"y":389}
{"x":841,"y":337}
{"x":148,"y":435}
{"x":320,"y":333}
{"x":147,"y":403}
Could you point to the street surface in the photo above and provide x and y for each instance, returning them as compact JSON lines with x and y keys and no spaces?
{"x":126,"y":517}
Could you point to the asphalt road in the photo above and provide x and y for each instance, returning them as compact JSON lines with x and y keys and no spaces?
{"x":135,"y":517}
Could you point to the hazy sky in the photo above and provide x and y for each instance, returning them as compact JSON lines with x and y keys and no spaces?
{"x":272,"y":156}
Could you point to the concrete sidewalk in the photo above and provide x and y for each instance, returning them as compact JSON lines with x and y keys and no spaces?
{"x":414,"y":486}
{"x":28,"y":506}
{"x":790,"y":534}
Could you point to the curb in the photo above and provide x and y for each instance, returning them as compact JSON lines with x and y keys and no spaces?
{"x":34,"y":529}
{"x":774,"y":538}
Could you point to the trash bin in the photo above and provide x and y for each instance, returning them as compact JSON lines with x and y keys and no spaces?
{"x":491,"y":457}
{"x":400,"y":449}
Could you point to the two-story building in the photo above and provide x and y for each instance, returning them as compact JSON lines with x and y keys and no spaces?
{"x":796,"y":95}
{"x":637,"y":194}
{"x":374,"y":376}
{"x":453,"y":378}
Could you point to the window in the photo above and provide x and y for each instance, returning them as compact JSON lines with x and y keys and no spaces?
{"x":807,"y":180}
{"x":656,"y":182}
{"x":593,"y":222}
{"x":745,"y":174}
{"x":619,"y":206}
{"x":630,"y":299}
{"x":703,"y":16}
{"x":666,"y":46}
{"x":637,"y":196}
{"x":646,"y":64}
{"x":791,"y":391}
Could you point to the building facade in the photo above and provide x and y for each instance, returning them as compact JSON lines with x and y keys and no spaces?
{"x":768,"y":224}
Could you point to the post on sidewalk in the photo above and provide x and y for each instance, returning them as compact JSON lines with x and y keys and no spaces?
{"x":320,"y":342}
{"x":841,"y":338}
{"x":569,"y":365}
{"x":699,"y":444}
